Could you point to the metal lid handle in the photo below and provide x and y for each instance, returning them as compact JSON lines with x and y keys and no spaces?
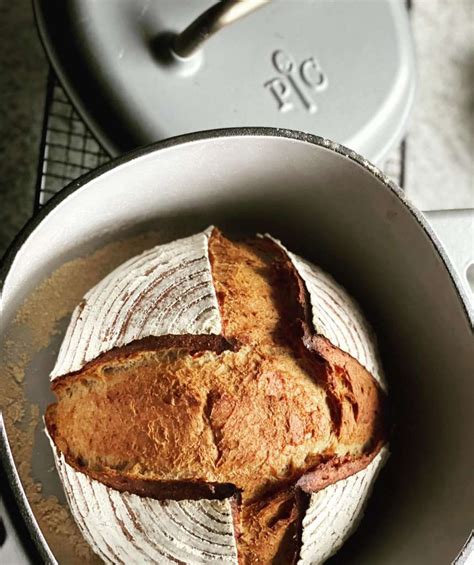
{"x":210,"y":22}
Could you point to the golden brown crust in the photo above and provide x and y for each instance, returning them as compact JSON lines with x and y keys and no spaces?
{"x":159,"y":490}
{"x":192,"y":344}
{"x":144,"y":416}
{"x":336,"y":469}
{"x":273,"y":528}
{"x":253,"y":413}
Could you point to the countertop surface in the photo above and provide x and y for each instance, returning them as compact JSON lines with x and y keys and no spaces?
{"x":23,"y":74}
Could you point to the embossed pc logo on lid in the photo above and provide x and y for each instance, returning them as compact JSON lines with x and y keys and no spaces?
{"x":297,"y":83}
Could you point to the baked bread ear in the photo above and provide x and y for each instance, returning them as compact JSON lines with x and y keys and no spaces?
{"x":265,"y":411}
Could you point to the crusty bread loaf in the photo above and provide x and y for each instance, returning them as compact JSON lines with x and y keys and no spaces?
{"x":267,"y":412}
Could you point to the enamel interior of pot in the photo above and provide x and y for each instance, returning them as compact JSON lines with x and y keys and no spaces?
{"x":337,"y":213}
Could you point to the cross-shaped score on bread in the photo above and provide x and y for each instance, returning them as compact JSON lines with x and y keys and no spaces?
{"x":265,"y":412}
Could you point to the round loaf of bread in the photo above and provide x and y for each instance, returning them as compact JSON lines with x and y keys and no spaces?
{"x":218,"y":402}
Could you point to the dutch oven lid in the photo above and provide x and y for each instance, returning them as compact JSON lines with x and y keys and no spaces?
{"x":336,"y":68}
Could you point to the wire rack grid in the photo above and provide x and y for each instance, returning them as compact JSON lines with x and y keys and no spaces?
{"x":68,"y":148}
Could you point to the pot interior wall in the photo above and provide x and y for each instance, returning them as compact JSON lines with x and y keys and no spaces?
{"x":337,"y":213}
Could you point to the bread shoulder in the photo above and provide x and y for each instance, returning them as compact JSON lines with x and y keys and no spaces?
{"x":126,"y":528}
{"x":167,"y":290}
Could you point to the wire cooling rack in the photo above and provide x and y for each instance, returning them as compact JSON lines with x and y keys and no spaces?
{"x":68,"y":148}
